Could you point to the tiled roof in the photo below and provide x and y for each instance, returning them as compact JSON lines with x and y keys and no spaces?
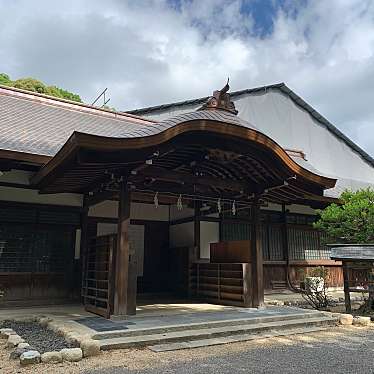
{"x":33,"y":123}
{"x":37,"y":124}
{"x":41,"y":126}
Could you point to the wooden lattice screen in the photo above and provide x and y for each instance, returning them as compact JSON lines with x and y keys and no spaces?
{"x":97,"y":282}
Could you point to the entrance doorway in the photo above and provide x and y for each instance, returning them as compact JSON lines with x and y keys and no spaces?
{"x":162,"y":271}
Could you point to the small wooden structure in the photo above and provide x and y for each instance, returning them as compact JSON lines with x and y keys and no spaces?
{"x":358,"y":268}
{"x":230,"y":251}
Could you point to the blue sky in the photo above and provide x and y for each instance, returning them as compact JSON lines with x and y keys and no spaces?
{"x":263,"y":13}
{"x":149,"y":52}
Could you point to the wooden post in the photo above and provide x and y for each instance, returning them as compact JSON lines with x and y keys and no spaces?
{"x":285,"y":241}
{"x":371,"y":287}
{"x":256,"y":258}
{"x":125,"y":278}
{"x":347,"y":295}
{"x":84,"y":247}
{"x":197,"y":254}
{"x":247,"y":292}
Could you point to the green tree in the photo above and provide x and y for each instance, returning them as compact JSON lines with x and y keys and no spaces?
{"x":4,"y":79}
{"x":30,"y":84}
{"x":352,"y":221}
{"x":34,"y":85}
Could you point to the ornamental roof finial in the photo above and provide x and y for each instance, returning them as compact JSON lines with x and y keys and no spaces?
{"x":220,"y":100}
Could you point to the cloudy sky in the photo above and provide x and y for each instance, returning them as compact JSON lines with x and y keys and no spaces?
{"x":149,"y":52}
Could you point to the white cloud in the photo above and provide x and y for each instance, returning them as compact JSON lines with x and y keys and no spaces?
{"x":148,"y":52}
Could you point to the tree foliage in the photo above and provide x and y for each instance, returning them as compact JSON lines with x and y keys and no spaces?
{"x":34,"y":85}
{"x":352,"y":221}
{"x":4,"y":79}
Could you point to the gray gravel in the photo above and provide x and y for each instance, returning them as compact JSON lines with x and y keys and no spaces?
{"x":350,"y":353}
{"x":39,"y":337}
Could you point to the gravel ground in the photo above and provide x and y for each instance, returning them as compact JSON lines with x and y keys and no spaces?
{"x":347,"y":350}
{"x":41,"y":338}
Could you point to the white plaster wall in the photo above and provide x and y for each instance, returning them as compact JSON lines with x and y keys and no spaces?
{"x":32,"y":196}
{"x":271,"y":206}
{"x":149,"y":212}
{"x":136,"y":238}
{"x":16,"y":176}
{"x":24,"y":195}
{"x":301,"y":209}
{"x":209,"y":233}
{"x":109,"y":209}
{"x":277,"y":116}
{"x":182,"y":235}
{"x":179,"y":214}
{"x":293,"y":208}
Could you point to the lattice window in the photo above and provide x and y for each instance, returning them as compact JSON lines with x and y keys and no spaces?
{"x":271,"y":237}
{"x":235,"y":231}
{"x":27,"y":248}
{"x":306,"y":244}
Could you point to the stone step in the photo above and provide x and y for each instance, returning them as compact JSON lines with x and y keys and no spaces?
{"x":248,"y":320}
{"x":232,"y":339}
{"x":213,"y":332}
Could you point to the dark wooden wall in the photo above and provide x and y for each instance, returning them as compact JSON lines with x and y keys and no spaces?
{"x":156,"y":260}
{"x":275,"y":273}
{"x":37,"y":263}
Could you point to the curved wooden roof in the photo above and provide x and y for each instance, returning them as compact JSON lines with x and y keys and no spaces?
{"x":212,"y":152}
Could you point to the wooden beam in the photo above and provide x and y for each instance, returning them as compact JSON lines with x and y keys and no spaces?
{"x":257,"y":270}
{"x":184,"y":178}
{"x":125,"y":278}
{"x":188,"y":193}
{"x":31,"y":158}
{"x":102,"y":196}
{"x":17,"y":185}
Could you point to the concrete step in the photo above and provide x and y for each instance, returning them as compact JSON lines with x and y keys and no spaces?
{"x":247,"y":320}
{"x":215,"y":332}
{"x":232,"y":339}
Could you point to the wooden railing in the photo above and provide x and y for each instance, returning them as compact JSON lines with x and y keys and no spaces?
{"x":222,"y":283}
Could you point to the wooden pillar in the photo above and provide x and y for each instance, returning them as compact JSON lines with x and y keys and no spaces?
{"x":84,"y":246}
{"x":347,"y":296}
{"x":285,"y":241}
{"x":257,"y":270}
{"x":371,"y":287}
{"x":125,"y":277}
{"x":247,"y":291}
{"x":197,"y":207}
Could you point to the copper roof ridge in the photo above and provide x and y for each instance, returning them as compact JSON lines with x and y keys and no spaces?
{"x":72,"y":105}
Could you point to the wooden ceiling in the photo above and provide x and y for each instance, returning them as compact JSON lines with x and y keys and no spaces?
{"x":200,"y":162}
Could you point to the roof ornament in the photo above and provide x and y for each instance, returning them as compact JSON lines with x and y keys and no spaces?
{"x":220,"y":100}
